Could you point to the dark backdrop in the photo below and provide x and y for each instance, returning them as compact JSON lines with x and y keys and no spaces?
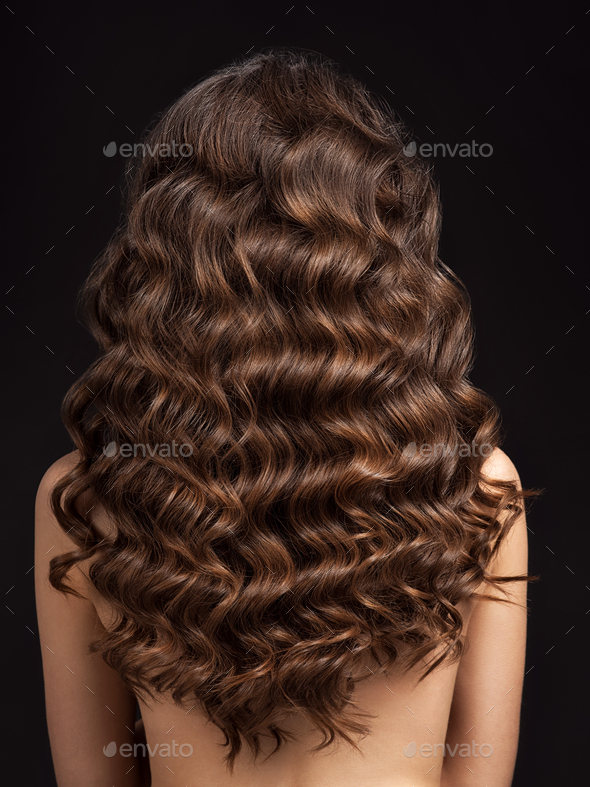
{"x":511,"y":76}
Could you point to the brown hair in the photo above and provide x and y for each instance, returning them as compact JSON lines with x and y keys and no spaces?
{"x":275,"y":301}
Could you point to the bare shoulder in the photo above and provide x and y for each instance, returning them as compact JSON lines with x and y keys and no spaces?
{"x":491,"y":670}
{"x":511,"y":558}
{"x":52,"y":538}
{"x":68,"y":624}
{"x":57,"y":471}
{"x":500,"y":467}
{"x":86,"y":503}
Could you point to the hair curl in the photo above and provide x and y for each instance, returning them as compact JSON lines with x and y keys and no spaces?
{"x":275,"y":301}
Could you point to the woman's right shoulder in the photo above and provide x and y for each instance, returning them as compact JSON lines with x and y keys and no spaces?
{"x":499,"y":466}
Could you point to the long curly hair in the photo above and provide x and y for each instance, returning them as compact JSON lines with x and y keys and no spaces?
{"x":273,"y":313}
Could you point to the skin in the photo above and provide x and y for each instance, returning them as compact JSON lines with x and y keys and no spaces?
{"x":477,"y":699}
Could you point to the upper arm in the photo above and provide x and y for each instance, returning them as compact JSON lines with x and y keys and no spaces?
{"x":87,"y":704}
{"x":488,"y":690}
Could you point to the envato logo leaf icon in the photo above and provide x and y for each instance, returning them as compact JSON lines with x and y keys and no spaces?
{"x":410,"y":449}
{"x":410,"y":750}
{"x":110,"y":449}
{"x":409,"y":150}
{"x":110,"y":149}
{"x":111,"y":749}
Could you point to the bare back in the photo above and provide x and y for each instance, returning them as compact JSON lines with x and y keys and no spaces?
{"x":410,"y":719}
{"x":457,"y":727}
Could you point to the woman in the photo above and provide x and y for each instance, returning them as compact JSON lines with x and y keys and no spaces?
{"x":287,"y":531}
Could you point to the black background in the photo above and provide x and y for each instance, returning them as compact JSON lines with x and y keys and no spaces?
{"x":515,"y":230}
